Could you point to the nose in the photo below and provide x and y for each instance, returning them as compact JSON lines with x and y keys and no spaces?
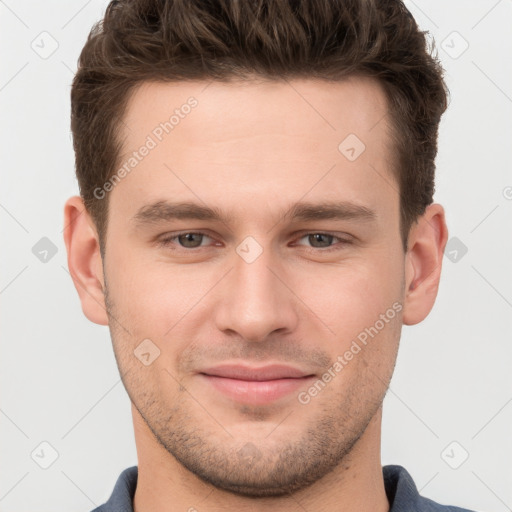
{"x":256,"y":301}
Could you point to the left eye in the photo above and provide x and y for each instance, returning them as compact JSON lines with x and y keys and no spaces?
{"x":324,"y":239}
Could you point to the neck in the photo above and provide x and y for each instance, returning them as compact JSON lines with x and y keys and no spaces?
{"x":356,"y":485}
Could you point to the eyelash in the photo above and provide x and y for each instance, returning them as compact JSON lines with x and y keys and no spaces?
{"x":166,"y":242}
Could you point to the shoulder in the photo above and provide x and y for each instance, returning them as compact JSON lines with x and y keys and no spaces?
{"x":403,"y":495}
{"x":121,"y":498}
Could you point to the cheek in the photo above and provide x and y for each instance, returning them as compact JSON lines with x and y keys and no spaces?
{"x":364,"y":312}
{"x":350,"y":297}
{"x":154,"y":296}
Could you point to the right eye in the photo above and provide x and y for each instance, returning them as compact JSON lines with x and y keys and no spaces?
{"x":185,"y":240}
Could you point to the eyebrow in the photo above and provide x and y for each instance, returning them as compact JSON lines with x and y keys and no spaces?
{"x":163,"y":211}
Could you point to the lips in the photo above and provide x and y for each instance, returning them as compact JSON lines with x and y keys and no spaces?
{"x":255,"y":385}
{"x":272,"y":372}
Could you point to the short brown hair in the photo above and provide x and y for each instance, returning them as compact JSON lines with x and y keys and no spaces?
{"x":173,"y":40}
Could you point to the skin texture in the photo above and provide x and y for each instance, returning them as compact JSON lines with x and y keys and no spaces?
{"x":252,"y":150}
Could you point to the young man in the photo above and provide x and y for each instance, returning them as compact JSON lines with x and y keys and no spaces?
{"x":255,"y":226}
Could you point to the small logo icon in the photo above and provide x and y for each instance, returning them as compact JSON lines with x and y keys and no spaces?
{"x":249,"y":250}
{"x":249,"y":453}
{"x":351,"y":147}
{"x":45,"y":45}
{"x":44,"y":250}
{"x":455,"y":455}
{"x":454,"y":45}
{"x":146,"y":352}
{"x":455,"y":249}
{"x":507,"y":193}
{"x":44,"y":455}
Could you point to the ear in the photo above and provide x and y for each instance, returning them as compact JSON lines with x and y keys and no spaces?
{"x":84,"y":259}
{"x":423,"y":261}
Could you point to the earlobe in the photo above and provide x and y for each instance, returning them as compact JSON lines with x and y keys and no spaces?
{"x":84,"y":260}
{"x":423,"y":262}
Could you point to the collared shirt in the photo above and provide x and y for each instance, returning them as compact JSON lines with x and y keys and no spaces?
{"x":401,"y":491}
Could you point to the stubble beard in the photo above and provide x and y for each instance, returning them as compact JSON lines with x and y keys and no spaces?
{"x":271,"y":467}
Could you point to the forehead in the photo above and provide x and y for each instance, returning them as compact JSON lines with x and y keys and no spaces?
{"x":255,"y":141}
{"x":290,"y":108}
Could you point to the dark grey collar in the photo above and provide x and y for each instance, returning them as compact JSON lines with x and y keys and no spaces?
{"x":400,"y":489}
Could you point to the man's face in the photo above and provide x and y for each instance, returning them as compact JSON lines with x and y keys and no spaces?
{"x":253,"y":310}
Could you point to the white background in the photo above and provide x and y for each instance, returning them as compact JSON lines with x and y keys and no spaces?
{"x":58,"y":378}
